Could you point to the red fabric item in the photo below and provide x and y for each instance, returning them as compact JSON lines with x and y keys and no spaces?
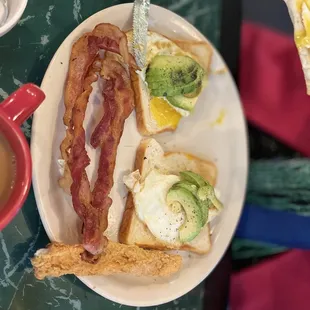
{"x":272,"y":86}
{"x":281,"y":283}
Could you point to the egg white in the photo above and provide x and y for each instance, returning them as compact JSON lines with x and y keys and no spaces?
{"x":151,"y":207}
{"x":158,"y":45}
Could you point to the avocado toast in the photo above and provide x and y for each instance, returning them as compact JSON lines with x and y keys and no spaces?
{"x":165,"y":207}
{"x":168,"y":87}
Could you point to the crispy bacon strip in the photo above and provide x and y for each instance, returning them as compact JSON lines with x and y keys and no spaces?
{"x":75,"y":135}
{"x":78,"y":159}
{"x":65,"y":181}
{"x":111,"y":38}
{"x":84,"y":51}
{"x":77,"y":162}
{"x":92,"y":207}
{"x":118,"y":105}
{"x":104,"y":36}
{"x":83,"y":54}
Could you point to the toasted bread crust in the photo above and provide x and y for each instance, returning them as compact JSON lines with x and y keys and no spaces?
{"x":124,"y":230}
{"x":161,"y":247}
{"x":138,"y":103}
{"x":130,"y":206}
{"x":129,"y":213}
{"x":188,"y":46}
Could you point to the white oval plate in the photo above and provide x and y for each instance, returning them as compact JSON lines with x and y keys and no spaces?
{"x":200,"y":134}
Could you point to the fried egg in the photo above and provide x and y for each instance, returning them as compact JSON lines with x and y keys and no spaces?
{"x":163,"y":220}
{"x":151,"y":207}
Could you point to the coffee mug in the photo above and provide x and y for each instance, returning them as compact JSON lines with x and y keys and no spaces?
{"x":15,"y":160}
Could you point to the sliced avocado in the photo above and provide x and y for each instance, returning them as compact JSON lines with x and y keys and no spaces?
{"x":204,"y":205}
{"x":195,"y":93}
{"x":176,"y":207}
{"x":170,"y":89}
{"x":175,"y":62}
{"x":207,"y":193}
{"x":187,"y":185}
{"x":199,"y":89}
{"x":166,"y":67}
{"x":176,"y":77}
{"x":166,"y":90}
{"x":193,"y":178}
{"x":193,"y":222}
{"x":182,"y":102}
{"x":173,"y":75}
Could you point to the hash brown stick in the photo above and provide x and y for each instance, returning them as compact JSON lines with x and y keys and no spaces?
{"x":59,"y":259}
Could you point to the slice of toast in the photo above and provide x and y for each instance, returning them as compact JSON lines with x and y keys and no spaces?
{"x":150,"y":155}
{"x":201,"y":51}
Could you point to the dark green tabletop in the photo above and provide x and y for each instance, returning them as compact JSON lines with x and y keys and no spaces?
{"x":25,"y":53}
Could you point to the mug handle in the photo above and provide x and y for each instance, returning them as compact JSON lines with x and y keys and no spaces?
{"x":22,"y":103}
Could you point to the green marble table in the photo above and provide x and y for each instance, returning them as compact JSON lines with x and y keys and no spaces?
{"x":25,"y":53}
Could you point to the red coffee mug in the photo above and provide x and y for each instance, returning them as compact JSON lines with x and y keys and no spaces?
{"x":14,"y":110}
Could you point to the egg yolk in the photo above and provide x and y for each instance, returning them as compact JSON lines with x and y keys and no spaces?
{"x":163,"y":113}
{"x":302,"y":38}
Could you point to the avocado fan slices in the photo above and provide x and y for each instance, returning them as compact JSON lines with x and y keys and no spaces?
{"x":205,"y":191}
{"x":195,"y":196}
{"x":204,"y":205}
{"x":193,"y":221}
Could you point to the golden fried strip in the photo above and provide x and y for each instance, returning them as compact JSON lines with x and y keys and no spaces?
{"x":60,"y":259}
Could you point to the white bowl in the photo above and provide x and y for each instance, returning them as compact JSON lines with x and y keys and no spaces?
{"x":16,"y":10}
